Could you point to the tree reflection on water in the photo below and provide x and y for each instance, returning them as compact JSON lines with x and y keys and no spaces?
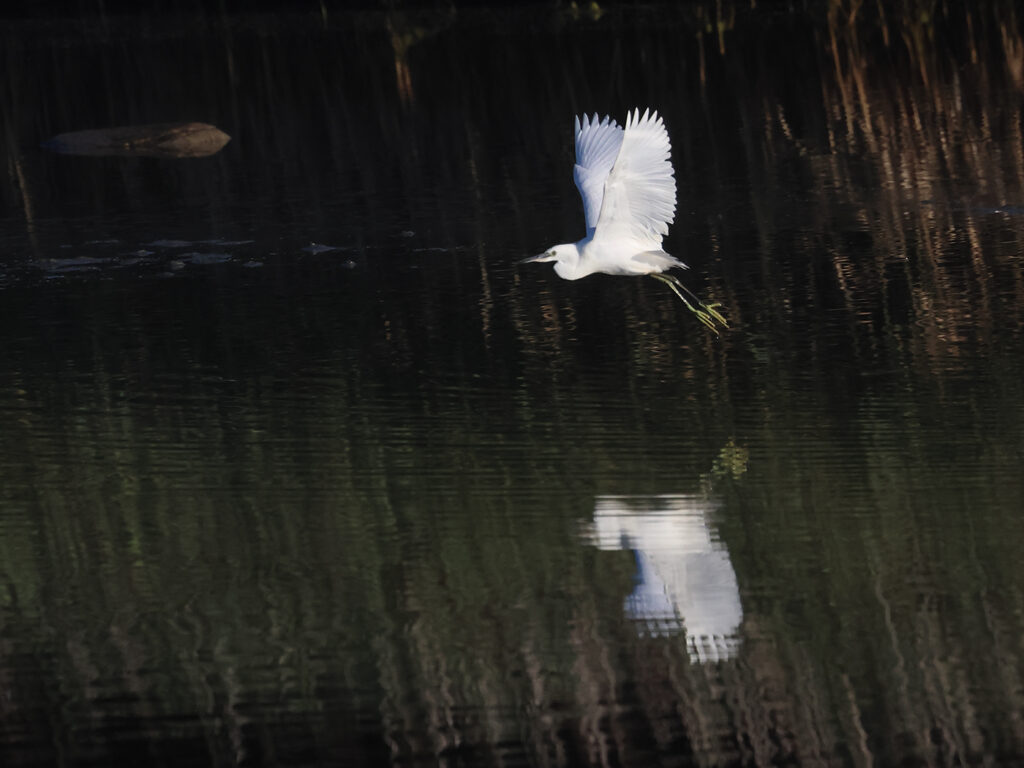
{"x":264,"y":501}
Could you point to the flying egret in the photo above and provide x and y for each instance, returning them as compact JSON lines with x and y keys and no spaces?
{"x":629,"y":198}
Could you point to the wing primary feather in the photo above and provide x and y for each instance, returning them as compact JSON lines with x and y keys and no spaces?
{"x":638,"y":199}
{"x":597,"y":140}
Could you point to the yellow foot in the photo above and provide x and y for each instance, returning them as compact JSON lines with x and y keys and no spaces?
{"x":708,"y":314}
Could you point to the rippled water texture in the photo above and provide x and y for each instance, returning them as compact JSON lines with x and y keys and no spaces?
{"x":298,"y":468}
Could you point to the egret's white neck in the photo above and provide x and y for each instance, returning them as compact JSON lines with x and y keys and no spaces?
{"x":567,"y":265}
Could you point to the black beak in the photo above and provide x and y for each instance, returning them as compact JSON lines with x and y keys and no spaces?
{"x":531,"y":259}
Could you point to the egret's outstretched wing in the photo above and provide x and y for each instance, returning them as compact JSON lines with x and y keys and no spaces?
{"x":640,"y":191}
{"x":597,"y":146}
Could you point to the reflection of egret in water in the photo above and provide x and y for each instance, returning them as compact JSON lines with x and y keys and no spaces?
{"x":684,"y":580}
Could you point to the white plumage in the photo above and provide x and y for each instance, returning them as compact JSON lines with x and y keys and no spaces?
{"x":626,"y":180}
{"x":625,"y":175}
{"x":597,"y":146}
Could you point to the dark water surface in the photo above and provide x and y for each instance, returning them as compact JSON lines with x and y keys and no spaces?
{"x":400,"y":502}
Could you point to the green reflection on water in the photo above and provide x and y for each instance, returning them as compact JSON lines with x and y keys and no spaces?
{"x":340,"y":542}
{"x":340,"y":511}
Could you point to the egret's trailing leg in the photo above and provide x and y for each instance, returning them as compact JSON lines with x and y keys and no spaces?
{"x":706,"y":313}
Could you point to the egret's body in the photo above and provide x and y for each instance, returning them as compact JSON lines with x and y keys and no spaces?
{"x":591,"y":255}
{"x":625,"y":178}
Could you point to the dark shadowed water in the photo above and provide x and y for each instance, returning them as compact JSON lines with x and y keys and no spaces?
{"x":298,"y":468}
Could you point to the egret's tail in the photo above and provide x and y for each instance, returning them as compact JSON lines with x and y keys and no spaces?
{"x":659,"y":260}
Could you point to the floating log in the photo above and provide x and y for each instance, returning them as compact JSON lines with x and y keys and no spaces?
{"x":158,"y":140}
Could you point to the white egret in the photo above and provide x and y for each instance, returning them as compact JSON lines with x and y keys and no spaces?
{"x":629,"y":198}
